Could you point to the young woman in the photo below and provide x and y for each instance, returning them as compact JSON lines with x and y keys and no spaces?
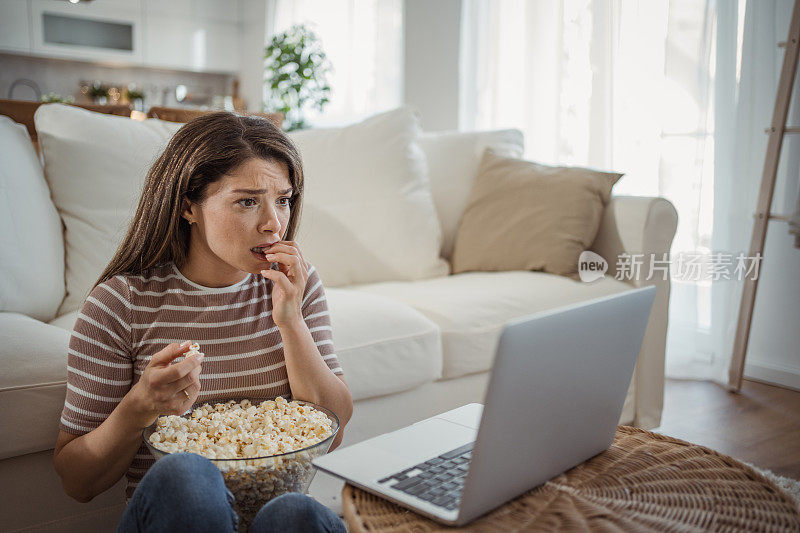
{"x":208,"y":257}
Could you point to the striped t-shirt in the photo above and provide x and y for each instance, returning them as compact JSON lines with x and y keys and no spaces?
{"x":127,"y":319}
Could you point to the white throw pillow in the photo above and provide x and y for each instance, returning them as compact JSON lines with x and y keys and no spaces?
{"x":31,"y":239}
{"x":368,"y":212}
{"x":96,"y":165}
{"x":453,"y":159}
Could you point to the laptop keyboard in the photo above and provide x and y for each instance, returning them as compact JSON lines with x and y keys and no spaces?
{"x":438,"y":481}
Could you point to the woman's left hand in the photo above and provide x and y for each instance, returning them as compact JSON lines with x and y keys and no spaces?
{"x":288,"y":282}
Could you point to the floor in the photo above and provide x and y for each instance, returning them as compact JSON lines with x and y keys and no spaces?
{"x":759,"y":425}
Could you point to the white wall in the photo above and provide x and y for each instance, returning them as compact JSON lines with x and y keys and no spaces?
{"x":432,"y":31}
{"x":773,"y":353}
{"x":251,"y":75}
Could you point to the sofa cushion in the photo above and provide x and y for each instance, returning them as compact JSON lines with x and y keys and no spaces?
{"x":453,"y":158}
{"x":96,"y":166}
{"x":471,"y":308}
{"x":66,"y":322}
{"x":525,"y":216}
{"x":383,"y":345}
{"x":32,"y":261}
{"x":368,"y":213}
{"x":33,"y":374}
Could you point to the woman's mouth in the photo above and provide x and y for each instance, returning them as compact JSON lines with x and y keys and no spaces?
{"x":259,"y":253}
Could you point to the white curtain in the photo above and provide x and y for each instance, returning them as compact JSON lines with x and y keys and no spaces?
{"x":363,"y":39}
{"x":628,"y":86}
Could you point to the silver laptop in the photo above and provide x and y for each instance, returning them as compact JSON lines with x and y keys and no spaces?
{"x":554,"y":398}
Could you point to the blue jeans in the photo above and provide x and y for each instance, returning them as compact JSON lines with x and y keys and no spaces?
{"x":186,"y":492}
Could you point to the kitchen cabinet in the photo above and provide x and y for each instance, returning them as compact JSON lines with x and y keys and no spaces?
{"x":192,"y":45}
{"x":216,"y":10}
{"x":106,"y":30}
{"x":197,"y":35}
{"x":174,"y":9}
{"x":223,"y":52}
{"x":15,"y":26}
{"x":192,"y":35}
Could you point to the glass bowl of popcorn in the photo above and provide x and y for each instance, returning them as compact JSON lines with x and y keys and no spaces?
{"x":262,"y":446}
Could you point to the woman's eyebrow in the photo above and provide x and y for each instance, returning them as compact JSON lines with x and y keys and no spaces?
{"x":260,"y":191}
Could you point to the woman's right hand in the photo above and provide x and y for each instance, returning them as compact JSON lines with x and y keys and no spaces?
{"x":160,"y":390}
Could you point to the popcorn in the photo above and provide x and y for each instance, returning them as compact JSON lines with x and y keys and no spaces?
{"x":233,"y":430}
{"x":249,"y":436}
{"x":194,"y":349}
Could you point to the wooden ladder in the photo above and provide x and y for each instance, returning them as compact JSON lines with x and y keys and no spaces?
{"x":763,"y":215}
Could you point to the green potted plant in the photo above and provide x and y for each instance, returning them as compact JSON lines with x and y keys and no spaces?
{"x":295,"y":75}
{"x":135,"y":97}
{"x":98,"y":92}
{"x":50,"y":98}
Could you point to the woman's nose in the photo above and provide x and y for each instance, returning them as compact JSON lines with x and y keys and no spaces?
{"x":271,"y":223}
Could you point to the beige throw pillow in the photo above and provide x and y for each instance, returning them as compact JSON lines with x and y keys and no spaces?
{"x":525,"y":216}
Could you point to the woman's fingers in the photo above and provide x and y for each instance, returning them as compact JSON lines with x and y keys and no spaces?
{"x":185,"y":392}
{"x":291,"y":261}
{"x":164,"y":383}
{"x":281,"y":280}
{"x":169,"y":353}
{"x":177,"y":371}
{"x":285,"y":246}
{"x":297,"y":247}
{"x":192,"y":378}
{"x":281,"y":247}
{"x":288,"y":248}
{"x":193,"y":391}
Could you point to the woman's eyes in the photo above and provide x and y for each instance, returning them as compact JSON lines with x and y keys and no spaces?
{"x":287,"y":199}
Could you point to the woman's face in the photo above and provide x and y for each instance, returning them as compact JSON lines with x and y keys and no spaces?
{"x":247,"y":208}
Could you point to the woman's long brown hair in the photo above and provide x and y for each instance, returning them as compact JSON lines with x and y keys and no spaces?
{"x":199,"y":154}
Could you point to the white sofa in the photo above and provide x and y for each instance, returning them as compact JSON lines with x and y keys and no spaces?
{"x":409,"y":347}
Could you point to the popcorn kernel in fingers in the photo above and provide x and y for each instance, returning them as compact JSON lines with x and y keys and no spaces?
{"x":194,"y":349}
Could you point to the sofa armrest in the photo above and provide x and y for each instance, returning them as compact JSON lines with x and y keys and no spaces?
{"x":635,"y":225}
{"x":33,"y":373}
{"x":643,"y":225}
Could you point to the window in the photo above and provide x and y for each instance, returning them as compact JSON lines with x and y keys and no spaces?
{"x":363,"y":39}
